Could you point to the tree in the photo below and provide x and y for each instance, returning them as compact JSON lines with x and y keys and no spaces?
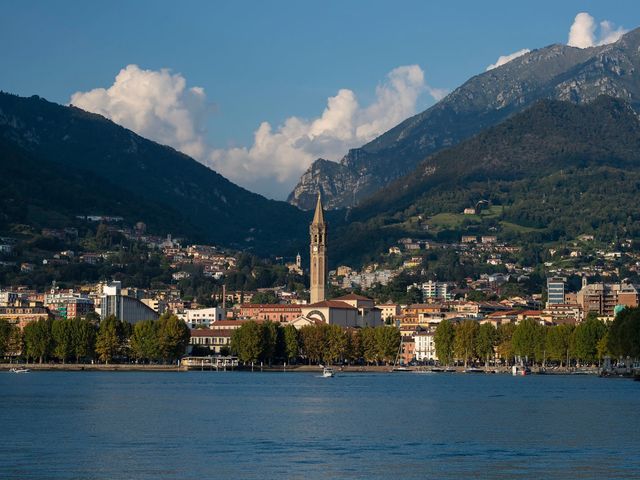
{"x":558,"y":342}
{"x":485,"y":342}
{"x":527,"y":339}
{"x":291,"y":343}
{"x":466,"y":334}
{"x":37,"y":339}
{"x":388,"y":342}
{"x":369,"y":345}
{"x":15,"y":342}
{"x":505,"y":341}
{"x":144,"y":340}
{"x":314,"y":342}
{"x":172,"y":337}
{"x":84,"y":338}
{"x":61,"y":331}
{"x":5,"y":334}
{"x":246,"y":342}
{"x":337,"y":344}
{"x":624,"y":334}
{"x":444,"y":341}
{"x":109,"y":340}
{"x":270,"y":333}
{"x":586,"y":337}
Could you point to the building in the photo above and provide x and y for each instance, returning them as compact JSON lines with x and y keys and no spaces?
{"x":23,"y":313}
{"x":212,"y":339}
{"x":389,"y":311}
{"x":283,"y":313}
{"x":555,"y":290}
{"x":203,"y":317}
{"x":602,"y":298}
{"x":347,"y":311}
{"x":437,"y":290}
{"x":318,"y":250}
{"x":124,"y":308}
{"x":425,"y":345}
{"x":69,"y":305}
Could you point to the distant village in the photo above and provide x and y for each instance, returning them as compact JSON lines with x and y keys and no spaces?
{"x":479,"y":299}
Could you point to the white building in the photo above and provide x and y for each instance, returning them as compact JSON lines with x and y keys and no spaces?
{"x":203,"y":317}
{"x":425,"y":346}
{"x":126,"y":309}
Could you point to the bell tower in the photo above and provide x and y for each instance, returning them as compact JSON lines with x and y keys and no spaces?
{"x":318,"y":232}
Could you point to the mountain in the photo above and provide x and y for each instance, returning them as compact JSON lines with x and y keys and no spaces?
{"x":553,"y":172}
{"x":556,"y":72}
{"x":59,"y":162}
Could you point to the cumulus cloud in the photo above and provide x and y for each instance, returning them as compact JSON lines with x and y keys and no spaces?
{"x":278,"y":156}
{"x":584,"y":32}
{"x":155,"y":104}
{"x":159,"y":105}
{"x":507,"y":58}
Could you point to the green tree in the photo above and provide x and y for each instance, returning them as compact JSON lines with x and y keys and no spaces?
{"x":37,"y":339}
{"x":586,"y":337}
{"x":624,"y":334}
{"x":61,"y":331}
{"x":370,"y":349}
{"x":291,"y":343}
{"x":5,"y":334}
{"x":15,"y":345}
{"x":355,"y":348}
{"x":505,"y":341}
{"x":270,"y":334}
{"x":485,"y":342}
{"x":527,"y":339}
{"x":109,"y":340}
{"x":84,"y":338}
{"x":172,"y":336}
{"x":144,"y":340}
{"x":313,"y":339}
{"x":466,"y":334}
{"x":444,"y":339}
{"x":558,"y":343}
{"x":246,"y":342}
{"x":337,"y":344}
{"x":388,"y":342}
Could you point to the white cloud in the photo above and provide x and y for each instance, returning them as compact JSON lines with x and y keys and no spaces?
{"x":583,"y":32}
{"x":159,"y":105}
{"x":507,"y":58}
{"x":155,"y":104}
{"x":277,"y":158}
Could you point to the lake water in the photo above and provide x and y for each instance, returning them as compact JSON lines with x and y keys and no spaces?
{"x":200,"y":425}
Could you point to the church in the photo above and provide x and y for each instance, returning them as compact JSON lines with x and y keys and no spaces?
{"x":347,"y":311}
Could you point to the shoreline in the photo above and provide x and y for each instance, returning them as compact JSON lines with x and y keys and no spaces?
{"x":72,"y":367}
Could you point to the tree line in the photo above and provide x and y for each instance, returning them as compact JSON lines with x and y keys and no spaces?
{"x":80,"y":340}
{"x":270,"y":342}
{"x":585,"y":343}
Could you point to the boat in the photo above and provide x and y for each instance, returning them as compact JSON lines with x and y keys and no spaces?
{"x":520,"y":370}
{"x":437,"y":369}
{"x":473,"y":370}
{"x":19,"y":370}
{"x":327,"y":372}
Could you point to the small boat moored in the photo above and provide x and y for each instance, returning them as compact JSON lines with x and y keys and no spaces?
{"x":19,"y":370}
{"x":327,"y":372}
{"x":474,"y":370}
{"x":520,"y":370}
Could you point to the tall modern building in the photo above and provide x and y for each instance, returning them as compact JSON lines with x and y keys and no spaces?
{"x":555,"y":290}
{"x":318,"y":232}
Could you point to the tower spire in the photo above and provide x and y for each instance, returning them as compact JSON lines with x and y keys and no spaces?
{"x":318,"y":216}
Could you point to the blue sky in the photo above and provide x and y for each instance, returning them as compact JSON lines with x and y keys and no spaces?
{"x":259,"y":61}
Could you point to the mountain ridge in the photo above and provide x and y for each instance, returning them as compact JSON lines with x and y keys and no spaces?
{"x":556,"y":72}
{"x":196,"y":199}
